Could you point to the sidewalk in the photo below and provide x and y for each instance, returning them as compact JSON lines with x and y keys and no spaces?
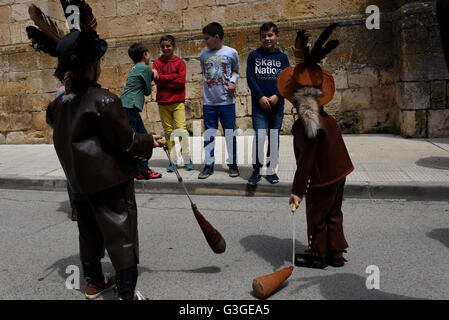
{"x":386,"y":166}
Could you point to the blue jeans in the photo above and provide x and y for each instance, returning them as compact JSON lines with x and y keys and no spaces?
{"x":135,"y":121}
{"x":264,"y":121}
{"x":226,"y":114}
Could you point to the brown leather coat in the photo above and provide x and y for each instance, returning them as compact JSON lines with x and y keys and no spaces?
{"x":93,"y":140}
{"x":322,"y":160}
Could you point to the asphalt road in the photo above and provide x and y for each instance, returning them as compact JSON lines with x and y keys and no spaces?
{"x":407,"y":241}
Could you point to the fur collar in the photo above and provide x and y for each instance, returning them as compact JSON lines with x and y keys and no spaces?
{"x":305,"y":101}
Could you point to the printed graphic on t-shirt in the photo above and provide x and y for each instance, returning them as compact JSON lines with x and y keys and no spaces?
{"x":267,"y":69}
{"x":218,"y":70}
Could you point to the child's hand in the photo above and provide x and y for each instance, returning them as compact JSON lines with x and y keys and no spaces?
{"x":264,"y":103}
{"x":274,"y":99}
{"x":155,"y":75}
{"x":295,"y":200}
{"x":231,"y":89}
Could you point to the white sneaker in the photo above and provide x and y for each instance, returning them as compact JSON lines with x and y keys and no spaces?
{"x":139,"y":296}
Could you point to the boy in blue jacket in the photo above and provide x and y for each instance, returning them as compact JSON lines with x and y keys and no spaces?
{"x":263,"y":68}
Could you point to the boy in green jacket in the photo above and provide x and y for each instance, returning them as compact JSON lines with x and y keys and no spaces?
{"x":138,"y":85}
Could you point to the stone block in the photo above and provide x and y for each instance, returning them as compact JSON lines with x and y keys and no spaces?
{"x":109,"y":77}
{"x":127,"y":7}
{"x":2,"y":138}
{"x":413,"y":123}
{"x":19,"y":12}
{"x":423,"y":67}
{"x":38,"y":120}
{"x":194,"y":107}
{"x":340,"y":78}
{"x":164,"y":21}
{"x":119,"y":27}
{"x":241,"y":106}
{"x":22,"y":61}
{"x":173,"y":5}
{"x":104,"y":8}
{"x":356,"y":99}
{"x":438,"y":123}
{"x":244,"y":123}
{"x":372,"y":121}
{"x":193,"y":70}
{"x":197,"y":18}
{"x":194,"y":90}
{"x":191,"y":48}
{"x":200,"y":3}
{"x":242,"y":87}
{"x":36,"y":137}
{"x":383,"y":97}
{"x":49,"y":82}
{"x":438,"y":94}
{"x":386,"y":77}
{"x":15,"y":138}
{"x":5,"y":14}
{"x":45,"y":61}
{"x":413,"y":95}
{"x":20,"y":121}
{"x":152,"y":111}
{"x":366,"y":77}
{"x":4,"y":121}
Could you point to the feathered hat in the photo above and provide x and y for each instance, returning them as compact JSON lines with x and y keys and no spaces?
{"x":78,"y":49}
{"x":307,"y":72}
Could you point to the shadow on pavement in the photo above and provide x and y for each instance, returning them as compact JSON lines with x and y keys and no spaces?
{"x":441,"y":235}
{"x":61,"y":265}
{"x":441,"y":163}
{"x":275,"y":251}
{"x":65,"y":207}
{"x":345,"y":286}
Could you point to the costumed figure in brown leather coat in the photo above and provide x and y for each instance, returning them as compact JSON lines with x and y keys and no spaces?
{"x":97,"y":150}
{"x":322,"y":158}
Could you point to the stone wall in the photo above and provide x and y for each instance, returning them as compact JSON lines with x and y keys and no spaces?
{"x":377,"y":90}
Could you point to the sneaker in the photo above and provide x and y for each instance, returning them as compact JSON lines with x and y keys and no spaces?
{"x":170,"y":168}
{"x":308,"y":261}
{"x":189,"y":166}
{"x":94,"y":290}
{"x":273,"y":178}
{"x":74,"y":215}
{"x":234,"y":171}
{"x":142,"y":176}
{"x":207,"y":171}
{"x":255,"y":178}
{"x":153,"y":174}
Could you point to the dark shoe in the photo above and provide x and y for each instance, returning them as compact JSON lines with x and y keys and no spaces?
{"x":94,"y":290}
{"x":170,"y":168}
{"x":207,"y":171}
{"x":234,"y":171}
{"x":189,"y":166}
{"x":74,"y":215}
{"x":308,"y":261}
{"x":336,"y":262}
{"x":255,"y":178}
{"x":273,"y":178}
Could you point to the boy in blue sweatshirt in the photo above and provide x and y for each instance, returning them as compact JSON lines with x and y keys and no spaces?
{"x":263,"y":68}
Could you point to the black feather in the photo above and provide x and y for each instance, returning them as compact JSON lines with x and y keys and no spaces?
{"x":321,"y":54}
{"x":41,"y":41}
{"x":320,"y":50}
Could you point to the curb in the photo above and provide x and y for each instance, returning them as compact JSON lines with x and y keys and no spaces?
{"x":422,"y":191}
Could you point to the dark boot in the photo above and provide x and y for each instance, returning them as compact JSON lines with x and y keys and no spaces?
{"x":308,"y":261}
